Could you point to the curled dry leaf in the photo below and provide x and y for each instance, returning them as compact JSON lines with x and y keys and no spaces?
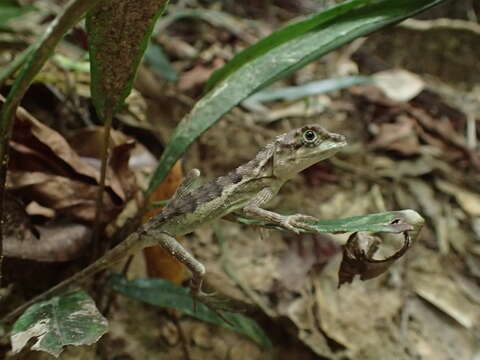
{"x":61,"y":178}
{"x":67,"y":196}
{"x":358,"y":258}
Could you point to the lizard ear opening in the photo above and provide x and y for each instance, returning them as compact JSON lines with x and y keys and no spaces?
{"x":280,"y":158}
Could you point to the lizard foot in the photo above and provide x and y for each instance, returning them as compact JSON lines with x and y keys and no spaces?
{"x":296,"y":222}
{"x":213,"y":302}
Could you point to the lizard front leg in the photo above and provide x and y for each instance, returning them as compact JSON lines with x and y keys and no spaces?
{"x":187,"y":183}
{"x":175,"y":249}
{"x":289,"y":222}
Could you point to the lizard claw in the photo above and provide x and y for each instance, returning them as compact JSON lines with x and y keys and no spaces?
{"x":211,"y":301}
{"x":296,"y":222}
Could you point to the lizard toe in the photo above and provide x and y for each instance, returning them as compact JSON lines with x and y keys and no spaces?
{"x":290,"y":223}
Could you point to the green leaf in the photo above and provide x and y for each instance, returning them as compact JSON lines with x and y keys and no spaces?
{"x":118,"y":34}
{"x":391,"y":221}
{"x":69,"y":319}
{"x":159,"y":62}
{"x":278,"y":55}
{"x":71,"y":64}
{"x":161,"y":292}
{"x":311,"y":88}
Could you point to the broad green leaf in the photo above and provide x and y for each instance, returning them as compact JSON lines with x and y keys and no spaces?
{"x":69,"y":319}
{"x":278,"y":55}
{"x":118,"y":34}
{"x":159,"y":62}
{"x":161,"y":292}
{"x":392,"y":221}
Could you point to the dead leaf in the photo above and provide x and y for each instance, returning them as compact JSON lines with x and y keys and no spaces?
{"x":358,"y":258}
{"x":399,"y":84}
{"x":64,"y":195}
{"x":55,"y":243}
{"x":38,"y":137}
{"x":468,"y":200}
{"x":302,"y":255}
{"x":399,"y":136}
{"x":445,"y":295}
{"x":50,"y":175}
{"x":159,"y":261}
{"x":41,"y":243}
{"x":197,"y":76}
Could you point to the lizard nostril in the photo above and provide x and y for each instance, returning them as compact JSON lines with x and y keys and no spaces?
{"x":339,"y":138}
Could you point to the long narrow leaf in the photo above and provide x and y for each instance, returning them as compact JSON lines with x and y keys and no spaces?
{"x":391,"y":221}
{"x":160,"y":292}
{"x":278,"y":55}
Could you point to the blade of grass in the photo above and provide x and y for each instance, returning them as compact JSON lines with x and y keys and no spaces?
{"x":160,"y":292}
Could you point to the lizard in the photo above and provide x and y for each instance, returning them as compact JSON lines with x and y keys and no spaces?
{"x":245,"y":189}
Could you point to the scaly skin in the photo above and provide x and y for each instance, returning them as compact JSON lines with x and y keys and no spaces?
{"x":244,"y":189}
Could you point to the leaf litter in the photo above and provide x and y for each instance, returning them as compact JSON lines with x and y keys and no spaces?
{"x":418,"y":152}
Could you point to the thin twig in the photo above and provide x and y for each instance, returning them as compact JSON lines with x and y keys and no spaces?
{"x":36,"y":58}
{"x":111,"y":295}
{"x":97,"y":227}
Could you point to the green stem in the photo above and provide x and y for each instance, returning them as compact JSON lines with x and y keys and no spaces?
{"x":35,"y":59}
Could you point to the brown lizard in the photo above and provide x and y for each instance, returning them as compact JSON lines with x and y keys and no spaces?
{"x":245,"y":189}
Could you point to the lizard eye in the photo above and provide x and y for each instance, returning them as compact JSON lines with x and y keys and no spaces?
{"x":309,"y":136}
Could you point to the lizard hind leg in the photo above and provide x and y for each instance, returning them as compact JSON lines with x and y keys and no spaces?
{"x":175,"y":249}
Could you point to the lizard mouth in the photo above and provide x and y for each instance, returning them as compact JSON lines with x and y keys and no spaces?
{"x":335,"y":147}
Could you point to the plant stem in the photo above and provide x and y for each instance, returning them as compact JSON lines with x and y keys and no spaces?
{"x":97,"y":227}
{"x":36,"y":58}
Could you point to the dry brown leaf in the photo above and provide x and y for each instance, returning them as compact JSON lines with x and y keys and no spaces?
{"x":159,"y":262}
{"x":88,"y":143}
{"x":446,"y":295}
{"x":55,"y":243}
{"x":41,"y":243}
{"x":64,"y":195}
{"x":399,"y":136}
{"x":40,"y":138}
{"x":468,"y":200}
{"x":358,"y":258}
{"x":399,"y":84}
{"x":301,"y":256}
{"x":196,"y":76}
{"x":47,"y":173}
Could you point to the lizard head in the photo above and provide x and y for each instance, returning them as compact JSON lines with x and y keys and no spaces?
{"x":303,"y":147}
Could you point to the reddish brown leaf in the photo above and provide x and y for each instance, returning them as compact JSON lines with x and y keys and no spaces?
{"x":159,"y":262}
